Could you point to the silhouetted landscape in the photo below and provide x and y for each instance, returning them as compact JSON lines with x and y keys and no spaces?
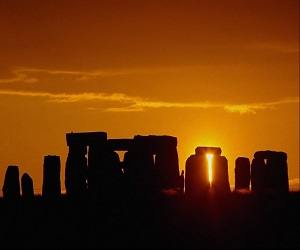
{"x":145,"y":201}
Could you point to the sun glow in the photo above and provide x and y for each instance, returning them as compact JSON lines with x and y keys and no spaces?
{"x":209,"y":160}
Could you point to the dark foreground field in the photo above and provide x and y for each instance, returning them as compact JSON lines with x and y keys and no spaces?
{"x":239,"y":220}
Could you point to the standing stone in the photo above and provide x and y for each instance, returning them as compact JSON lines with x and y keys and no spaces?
{"x":220,"y":180}
{"x":270,"y":172}
{"x":277,"y":173}
{"x":165,"y":173}
{"x":11,"y":186}
{"x":27,"y":186}
{"x":181,"y":182}
{"x":196,"y":175}
{"x":104,"y":172}
{"x":76,"y":171}
{"x":242,"y":173}
{"x":258,"y":175}
{"x":140,"y":170}
{"x":97,"y":166}
{"x":51,"y":177}
{"x":166,"y":163}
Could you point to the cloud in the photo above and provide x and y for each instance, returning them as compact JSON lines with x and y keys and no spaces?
{"x":254,"y":107}
{"x":25,"y":74}
{"x":138,"y":104}
{"x":19,"y":76}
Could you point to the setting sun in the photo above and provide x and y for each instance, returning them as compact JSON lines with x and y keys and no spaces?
{"x":209,"y":160}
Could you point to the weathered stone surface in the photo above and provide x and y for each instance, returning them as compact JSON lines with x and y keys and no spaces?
{"x":242,"y":173}
{"x":51,"y":177}
{"x":11,"y":186}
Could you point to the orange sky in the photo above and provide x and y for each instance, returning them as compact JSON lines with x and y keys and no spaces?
{"x":219,"y":73}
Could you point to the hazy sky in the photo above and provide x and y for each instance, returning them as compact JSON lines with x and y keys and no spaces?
{"x":212,"y":73}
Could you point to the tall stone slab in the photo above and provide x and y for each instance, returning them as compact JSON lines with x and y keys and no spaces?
{"x":11,"y":186}
{"x":274,"y":168}
{"x":76,"y":171}
{"x":51,"y":177}
{"x":196,"y":175}
{"x":78,"y":177}
{"x":27,"y":186}
{"x":220,"y":179}
{"x":258,"y":175}
{"x":242,"y":173}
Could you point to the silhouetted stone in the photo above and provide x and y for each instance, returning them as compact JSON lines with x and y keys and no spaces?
{"x":196,"y":175}
{"x":77,"y":179}
{"x":86,"y":138}
{"x":220,"y":180}
{"x":258,"y":175}
{"x":104,"y":171}
{"x":181,"y":182}
{"x":27,"y":186}
{"x":11,"y":186}
{"x":277,"y":174}
{"x":166,"y":158}
{"x":155,"y":143}
{"x":167,"y":166}
{"x":51,"y":177}
{"x":273,"y":173}
{"x":242,"y":173}
{"x":270,"y":154}
{"x":76,"y":171}
{"x":140,"y":171}
{"x":208,"y":150}
{"x":120,"y":144}
{"x":97,"y":166}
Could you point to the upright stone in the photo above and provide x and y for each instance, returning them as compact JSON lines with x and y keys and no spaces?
{"x":242,"y":173}
{"x":196,"y":175}
{"x":166,"y":163}
{"x":77,"y":179}
{"x":27,"y":186}
{"x":140,"y":170}
{"x":258,"y":175}
{"x":76,"y":171}
{"x":11,"y":186}
{"x":181,"y":181}
{"x":104,"y":171}
{"x":220,"y":180}
{"x":166,"y":167}
{"x":272,"y":175}
{"x":51,"y":177}
{"x":277,"y":173}
{"x":97,"y":166}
